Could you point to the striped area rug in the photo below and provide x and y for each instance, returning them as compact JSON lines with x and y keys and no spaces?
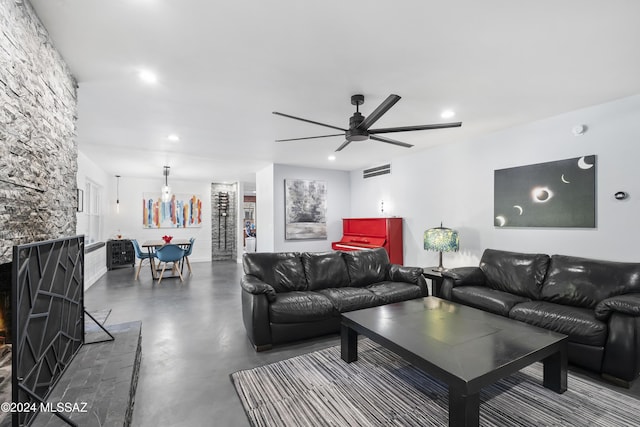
{"x":381,"y":389}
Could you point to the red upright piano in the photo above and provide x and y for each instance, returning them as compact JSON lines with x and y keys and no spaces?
{"x":368,"y":233}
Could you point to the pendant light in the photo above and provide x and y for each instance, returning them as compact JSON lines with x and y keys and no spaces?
{"x":117,"y":193}
{"x":166,"y":190}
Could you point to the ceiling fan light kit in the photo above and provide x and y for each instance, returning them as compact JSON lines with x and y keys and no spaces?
{"x":359,"y":126}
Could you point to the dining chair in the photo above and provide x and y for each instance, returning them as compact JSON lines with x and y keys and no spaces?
{"x":170,"y":254}
{"x":142,"y":256}
{"x":188,"y":251}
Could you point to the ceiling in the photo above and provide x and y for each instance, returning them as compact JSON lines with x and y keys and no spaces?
{"x":224,"y":66}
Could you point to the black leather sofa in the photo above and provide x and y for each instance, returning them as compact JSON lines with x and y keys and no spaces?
{"x":596,"y":303}
{"x":290,"y":296}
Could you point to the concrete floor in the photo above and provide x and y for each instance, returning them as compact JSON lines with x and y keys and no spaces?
{"x":192,"y":339}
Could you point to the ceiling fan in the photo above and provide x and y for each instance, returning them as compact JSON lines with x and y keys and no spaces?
{"x":359,"y":126}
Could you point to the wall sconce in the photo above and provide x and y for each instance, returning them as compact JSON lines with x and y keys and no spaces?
{"x":621,"y":195}
{"x":117,"y":193}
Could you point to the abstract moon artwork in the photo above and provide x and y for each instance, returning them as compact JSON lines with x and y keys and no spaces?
{"x":553,"y":194}
{"x":305,"y":209}
{"x":182,"y":211}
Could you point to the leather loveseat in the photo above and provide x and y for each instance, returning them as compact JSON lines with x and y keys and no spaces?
{"x":290,"y":296}
{"x":596,"y":303}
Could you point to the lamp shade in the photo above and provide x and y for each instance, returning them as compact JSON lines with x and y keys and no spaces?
{"x":441,"y":239}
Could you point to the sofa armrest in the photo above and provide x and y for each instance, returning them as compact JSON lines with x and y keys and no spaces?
{"x":461,"y":276}
{"x":255,"y":316}
{"x":255,"y":286}
{"x":465,"y":276}
{"x":413,"y":275}
{"x":622,"y":350}
{"x":399,"y":273}
{"x":628,"y":304}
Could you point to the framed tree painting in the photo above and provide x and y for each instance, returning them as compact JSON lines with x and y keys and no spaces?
{"x":553,"y":194}
{"x":305,"y":209}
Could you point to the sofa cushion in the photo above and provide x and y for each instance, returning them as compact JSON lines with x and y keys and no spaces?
{"x":585,"y":282}
{"x":325,"y":270}
{"x":488,"y":299}
{"x":579,"y":323}
{"x":349,"y":299}
{"x":400,"y":273}
{"x":297,"y":306}
{"x":390,"y":292}
{"x":513,"y":272}
{"x":367,"y":267}
{"x":283,"y":270}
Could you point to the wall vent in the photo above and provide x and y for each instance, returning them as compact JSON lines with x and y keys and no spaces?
{"x":378,"y":170}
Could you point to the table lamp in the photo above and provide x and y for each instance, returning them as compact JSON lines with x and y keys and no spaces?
{"x":441,"y":239}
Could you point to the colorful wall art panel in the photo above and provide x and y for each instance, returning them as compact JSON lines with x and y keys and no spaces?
{"x":182,"y":211}
{"x":553,"y":194}
{"x":305,"y":209}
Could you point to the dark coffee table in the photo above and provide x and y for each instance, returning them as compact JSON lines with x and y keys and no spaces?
{"x":465,"y":348}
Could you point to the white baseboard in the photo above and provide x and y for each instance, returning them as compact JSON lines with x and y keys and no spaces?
{"x":88,"y":281}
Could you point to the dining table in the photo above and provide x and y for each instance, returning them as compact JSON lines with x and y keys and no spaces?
{"x":152,"y":245}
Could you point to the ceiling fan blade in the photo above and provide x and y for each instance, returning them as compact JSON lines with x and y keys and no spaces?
{"x":344,"y":144}
{"x":378,"y":112}
{"x":308,"y":137}
{"x":419,"y":127}
{"x":390,"y":141}
{"x":308,"y":121}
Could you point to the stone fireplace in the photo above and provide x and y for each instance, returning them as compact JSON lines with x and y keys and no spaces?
{"x":38,"y":152}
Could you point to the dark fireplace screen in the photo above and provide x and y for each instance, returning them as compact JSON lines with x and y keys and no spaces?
{"x":47,"y":316}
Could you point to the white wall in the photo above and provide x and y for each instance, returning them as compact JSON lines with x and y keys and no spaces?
{"x":129,"y":221}
{"x":338,"y":206}
{"x":239,"y":221}
{"x":265,"y":210}
{"x":454,"y":184}
{"x":270,"y":207}
{"x":95,"y":262}
{"x":87,"y":169}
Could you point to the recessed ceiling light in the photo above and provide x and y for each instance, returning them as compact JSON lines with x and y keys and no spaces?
{"x":148,"y":76}
{"x":331,"y":157}
{"x":447,"y":114}
{"x":173,"y":137}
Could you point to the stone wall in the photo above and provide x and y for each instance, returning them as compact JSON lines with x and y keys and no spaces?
{"x":38,"y":152}
{"x":223,"y":227}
